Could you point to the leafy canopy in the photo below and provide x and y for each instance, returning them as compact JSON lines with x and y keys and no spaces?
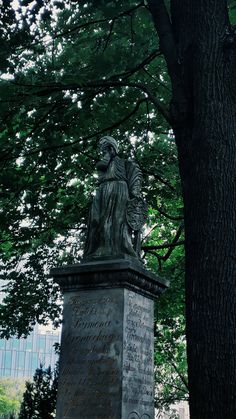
{"x":74,"y":72}
{"x":70,"y":72}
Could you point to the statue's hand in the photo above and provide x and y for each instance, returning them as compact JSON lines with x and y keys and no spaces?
{"x":104,"y":162}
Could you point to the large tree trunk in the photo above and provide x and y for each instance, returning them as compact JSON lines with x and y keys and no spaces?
{"x":206,"y":140}
{"x":208,"y":169}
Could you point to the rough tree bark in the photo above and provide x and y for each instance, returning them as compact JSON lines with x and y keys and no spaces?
{"x":203,"y":109}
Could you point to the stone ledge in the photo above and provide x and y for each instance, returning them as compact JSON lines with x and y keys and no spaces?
{"x":109,"y":273}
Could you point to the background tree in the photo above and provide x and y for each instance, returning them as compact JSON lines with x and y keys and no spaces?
{"x":10,"y":397}
{"x":39,"y":399}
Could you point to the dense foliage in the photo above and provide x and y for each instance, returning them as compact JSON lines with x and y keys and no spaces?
{"x":11,"y":391}
{"x":74,"y":72}
{"x":70,"y":72}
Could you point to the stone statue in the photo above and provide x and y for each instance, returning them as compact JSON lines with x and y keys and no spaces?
{"x":118,"y":211}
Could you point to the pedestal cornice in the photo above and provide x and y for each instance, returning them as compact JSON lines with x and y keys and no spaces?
{"x":109,"y":273}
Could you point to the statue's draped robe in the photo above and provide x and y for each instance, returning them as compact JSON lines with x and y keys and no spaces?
{"x":108,"y":231}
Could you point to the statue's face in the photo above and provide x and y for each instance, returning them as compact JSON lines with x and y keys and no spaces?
{"x":106,"y":147}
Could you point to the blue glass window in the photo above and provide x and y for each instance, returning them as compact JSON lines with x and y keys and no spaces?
{"x":29,"y":345}
{"x":42,"y":342}
{"x":21,"y":360}
{"x":2,"y":343}
{"x":35,"y":361}
{"x":9,"y":344}
{"x":16,"y":343}
{"x":1,"y":359}
{"x":8,"y":356}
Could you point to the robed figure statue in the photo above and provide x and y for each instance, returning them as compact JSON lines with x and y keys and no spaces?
{"x":118,"y":211}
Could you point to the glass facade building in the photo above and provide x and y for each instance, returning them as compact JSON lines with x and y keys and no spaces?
{"x":21,"y":357}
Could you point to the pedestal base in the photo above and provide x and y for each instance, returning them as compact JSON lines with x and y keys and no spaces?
{"x":107,"y":348}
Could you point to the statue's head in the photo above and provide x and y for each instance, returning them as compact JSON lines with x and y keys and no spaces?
{"x":108,"y":142}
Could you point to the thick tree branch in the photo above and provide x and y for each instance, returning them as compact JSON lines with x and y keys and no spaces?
{"x":94,"y":134}
{"x":163,"y":246}
{"x":166,"y":38}
{"x":50,"y":89}
{"x":170,"y":246}
{"x":157,"y":103}
{"x":116,"y":77}
{"x":169,"y":49}
{"x":126,"y":74}
{"x":158,"y":177}
{"x":170,"y":217}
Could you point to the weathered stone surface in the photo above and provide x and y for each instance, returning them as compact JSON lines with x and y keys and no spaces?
{"x":90,"y":384}
{"x":106,"y":363}
{"x":117,"y":206}
{"x":138,"y":353}
{"x":110,"y":273}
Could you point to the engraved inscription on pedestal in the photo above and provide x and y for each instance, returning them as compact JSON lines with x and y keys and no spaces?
{"x":106,"y":364}
{"x":91,"y":356}
{"x":138,"y":355}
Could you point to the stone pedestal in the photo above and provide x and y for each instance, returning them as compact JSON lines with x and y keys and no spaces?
{"x":107,"y":347}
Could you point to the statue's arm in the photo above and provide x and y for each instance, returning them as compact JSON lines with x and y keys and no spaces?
{"x":134,"y":176}
{"x":136,"y":188}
